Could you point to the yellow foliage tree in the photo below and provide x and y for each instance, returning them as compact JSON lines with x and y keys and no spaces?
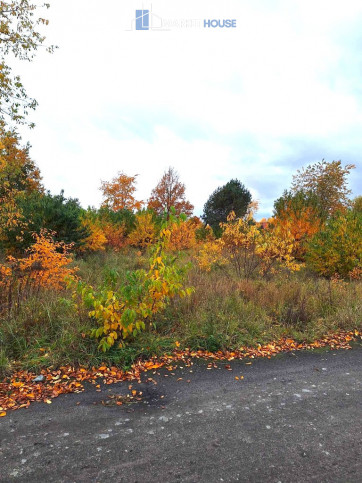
{"x":145,"y":231}
{"x":248,"y":248}
{"x":96,"y":240}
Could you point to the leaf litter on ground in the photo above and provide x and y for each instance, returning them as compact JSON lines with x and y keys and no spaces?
{"x":22,"y":388}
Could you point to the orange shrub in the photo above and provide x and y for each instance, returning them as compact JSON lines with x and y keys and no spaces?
{"x":47,"y":265}
{"x":115,"y":234}
{"x":48,"y":262}
{"x":183,"y":234}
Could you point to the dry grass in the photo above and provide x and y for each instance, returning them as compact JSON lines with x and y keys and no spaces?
{"x":224,"y":312}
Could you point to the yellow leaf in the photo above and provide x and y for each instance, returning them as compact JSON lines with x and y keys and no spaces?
{"x":2,"y":414}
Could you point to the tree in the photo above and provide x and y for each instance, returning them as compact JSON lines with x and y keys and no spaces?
{"x":299,"y":214}
{"x":144,"y":233}
{"x":19,"y":177}
{"x":125,"y":218}
{"x":118,"y":193}
{"x":337,"y":249}
{"x":248,"y":249}
{"x":17,"y":170}
{"x":44,"y":211}
{"x":233,"y":196}
{"x":170,"y":192}
{"x":357,"y":204}
{"x":19,"y":36}
{"x":96,"y":240}
{"x":328,"y":182}
{"x":183,"y":234}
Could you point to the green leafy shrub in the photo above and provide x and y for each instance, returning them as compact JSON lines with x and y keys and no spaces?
{"x":337,"y":248}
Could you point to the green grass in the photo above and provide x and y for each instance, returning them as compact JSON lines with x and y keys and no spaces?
{"x":223,"y":313}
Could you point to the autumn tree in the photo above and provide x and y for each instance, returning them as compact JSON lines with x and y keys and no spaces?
{"x":248,"y":248}
{"x":47,"y":264}
{"x":168,"y":193}
{"x":96,"y":240}
{"x":144,"y":233}
{"x":116,"y":225}
{"x":118,"y":193}
{"x":17,"y":170}
{"x":233,"y":196}
{"x":299,"y":214}
{"x":19,"y":177}
{"x":184,"y":234}
{"x":357,"y":204}
{"x":328,"y":182}
{"x":20,"y":37}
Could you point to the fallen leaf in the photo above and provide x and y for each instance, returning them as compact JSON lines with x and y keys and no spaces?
{"x":19,"y":390}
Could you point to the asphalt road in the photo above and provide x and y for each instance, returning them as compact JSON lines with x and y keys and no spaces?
{"x":293,"y":418}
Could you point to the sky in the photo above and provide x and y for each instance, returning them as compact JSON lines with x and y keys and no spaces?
{"x":256,"y":102}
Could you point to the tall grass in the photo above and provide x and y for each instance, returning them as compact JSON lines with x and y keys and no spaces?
{"x":224,"y":312}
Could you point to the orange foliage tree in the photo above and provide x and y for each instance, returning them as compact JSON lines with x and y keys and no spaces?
{"x":115,"y":234}
{"x":183,"y":234}
{"x":298,"y":214}
{"x":169,"y":192}
{"x":104,"y":232}
{"x":47,"y":265}
{"x":19,"y":177}
{"x":48,"y":262}
{"x":119,"y":193}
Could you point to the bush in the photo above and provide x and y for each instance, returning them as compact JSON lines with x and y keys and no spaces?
{"x":122,"y":310}
{"x":337,"y":248}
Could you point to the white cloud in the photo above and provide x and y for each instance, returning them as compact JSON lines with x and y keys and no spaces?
{"x":268,"y":80}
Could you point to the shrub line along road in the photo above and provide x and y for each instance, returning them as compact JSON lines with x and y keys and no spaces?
{"x":293,"y":418}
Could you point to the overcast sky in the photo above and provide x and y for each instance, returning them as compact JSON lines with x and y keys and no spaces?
{"x":280,"y":91}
